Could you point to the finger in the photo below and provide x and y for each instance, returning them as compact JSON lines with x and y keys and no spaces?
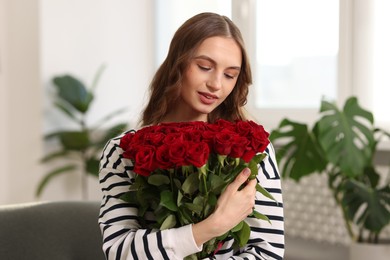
{"x":250,"y":187}
{"x":251,"y":184}
{"x":241,"y":178}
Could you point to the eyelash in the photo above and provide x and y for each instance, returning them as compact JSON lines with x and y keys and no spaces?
{"x":207,"y":69}
{"x":204,"y":68}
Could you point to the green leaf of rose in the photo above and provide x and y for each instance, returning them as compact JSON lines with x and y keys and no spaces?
{"x":263,"y":191}
{"x":166,"y":200}
{"x":233,"y":173}
{"x":158,"y":179}
{"x":237,"y":227}
{"x":217,"y":183}
{"x":194,"y":207}
{"x":184,"y":215}
{"x":130,"y":196}
{"x":161,"y":214}
{"x":191,"y":184}
{"x":253,"y":164}
{"x":179,"y":197}
{"x":212,"y":199}
{"x":258,"y":215}
{"x":222,"y":237}
{"x":243,"y":234}
{"x":169,"y":222}
{"x":177,"y":183}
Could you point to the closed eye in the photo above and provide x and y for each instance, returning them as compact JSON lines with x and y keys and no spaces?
{"x":229,"y":76}
{"x":204,"y":68}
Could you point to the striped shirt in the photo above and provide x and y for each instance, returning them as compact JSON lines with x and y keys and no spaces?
{"x":124,"y":238}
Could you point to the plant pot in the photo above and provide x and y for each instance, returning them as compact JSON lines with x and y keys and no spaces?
{"x":360,"y":251}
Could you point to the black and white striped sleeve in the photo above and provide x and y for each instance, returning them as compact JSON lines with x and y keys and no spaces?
{"x":123,"y":238}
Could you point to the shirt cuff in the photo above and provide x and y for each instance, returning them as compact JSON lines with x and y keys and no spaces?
{"x":183,"y":242}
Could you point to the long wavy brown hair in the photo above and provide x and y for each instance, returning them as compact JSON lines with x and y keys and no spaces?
{"x":166,"y":83}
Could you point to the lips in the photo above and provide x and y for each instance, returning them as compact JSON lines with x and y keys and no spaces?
{"x":207,"y":98}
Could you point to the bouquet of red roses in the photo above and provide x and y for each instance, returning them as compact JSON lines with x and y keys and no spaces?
{"x":182,"y":168}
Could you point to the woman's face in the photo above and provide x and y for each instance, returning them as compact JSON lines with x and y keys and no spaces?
{"x":209,"y":78}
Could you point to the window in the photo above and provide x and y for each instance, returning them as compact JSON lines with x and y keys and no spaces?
{"x":381,"y":76}
{"x":170,"y":14}
{"x":302,"y":51}
{"x":297,"y":47}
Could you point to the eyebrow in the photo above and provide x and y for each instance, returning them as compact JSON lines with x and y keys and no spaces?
{"x":214,"y":62}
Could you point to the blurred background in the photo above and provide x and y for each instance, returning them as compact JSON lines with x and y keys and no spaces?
{"x":301,"y":51}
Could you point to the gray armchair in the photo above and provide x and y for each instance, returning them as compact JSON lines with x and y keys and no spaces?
{"x":50,"y":231}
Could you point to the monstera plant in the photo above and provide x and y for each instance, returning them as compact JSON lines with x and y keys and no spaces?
{"x":79,"y":148}
{"x":341,"y":144}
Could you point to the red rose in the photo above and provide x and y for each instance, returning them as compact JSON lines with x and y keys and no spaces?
{"x":197,"y":153}
{"x":144,"y":160}
{"x":213,"y":128}
{"x":167,"y":128}
{"x":154,"y":139}
{"x":173,"y":138}
{"x":130,"y":152}
{"x":239,"y":146}
{"x":162,"y":157}
{"x":177,"y":153}
{"x":259,"y":140}
{"x":248,"y":155}
{"x":138,"y":138}
{"x":197,"y":125}
{"x":243,"y":128}
{"x":223,"y":142}
{"x":193,"y":135}
{"x":126,"y":140}
{"x":208,"y":137}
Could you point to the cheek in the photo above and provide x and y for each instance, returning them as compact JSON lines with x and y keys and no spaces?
{"x":188,"y":77}
{"x":229,"y":88}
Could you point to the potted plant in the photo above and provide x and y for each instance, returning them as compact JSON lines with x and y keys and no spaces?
{"x":341,"y":144}
{"x":78,"y":150}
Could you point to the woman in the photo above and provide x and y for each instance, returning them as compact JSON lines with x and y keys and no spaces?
{"x":205,"y":77}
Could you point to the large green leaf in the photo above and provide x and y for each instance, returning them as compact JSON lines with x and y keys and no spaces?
{"x":367,"y":206}
{"x":74,"y":140}
{"x":92,"y":166}
{"x":298,"y":152}
{"x":346,"y":136}
{"x":74,"y":92}
{"x":66,"y":109}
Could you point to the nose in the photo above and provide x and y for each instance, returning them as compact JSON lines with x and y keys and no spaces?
{"x":214,"y":82}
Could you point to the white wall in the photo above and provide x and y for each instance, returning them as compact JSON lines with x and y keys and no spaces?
{"x":3,"y":102}
{"x":50,"y":38}
{"x":21,"y":100}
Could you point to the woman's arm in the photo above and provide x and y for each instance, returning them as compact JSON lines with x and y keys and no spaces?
{"x":233,"y":206}
{"x":123,"y":238}
{"x":266,"y":240}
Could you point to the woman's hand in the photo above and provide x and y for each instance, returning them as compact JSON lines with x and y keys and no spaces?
{"x":232,"y":207}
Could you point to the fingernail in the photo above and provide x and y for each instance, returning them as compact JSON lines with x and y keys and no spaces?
{"x":246,"y":171}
